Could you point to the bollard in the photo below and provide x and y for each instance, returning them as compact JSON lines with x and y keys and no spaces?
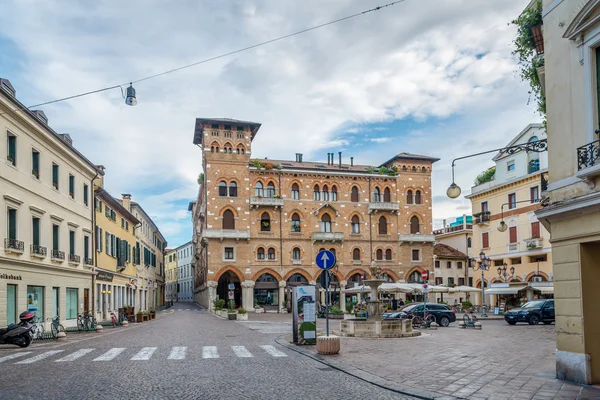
{"x":328,"y":344}
{"x":61,"y":337}
{"x":125,"y":323}
{"x":478,"y":326}
{"x":462,"y":325}
{"x":99,"y":328}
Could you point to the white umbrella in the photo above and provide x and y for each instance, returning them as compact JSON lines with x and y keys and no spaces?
{"x":464,"y":289}
{"x":358,"y":289}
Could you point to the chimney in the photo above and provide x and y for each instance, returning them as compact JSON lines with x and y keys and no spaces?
{"x":99,"y":181}
{"x":340,"y":156}
{"x":299,"y":157}
{"x":464,"y":221}
{"x":329,"y":158}
{"x":126,"y":201}
{"x":444,"y":223}
{"x":352,"y":161}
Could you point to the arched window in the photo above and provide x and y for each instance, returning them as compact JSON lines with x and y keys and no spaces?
{"x":232,"y":189}
{"x":376,"y":195}
{"x":414,"y":169}
{"x":414,"y":225}
{"x":469,"y":243}
{"x":296,"y":253}
{"x":333,"y":193}
{"x":212,"y":149}
{"x":217,"y":149}
{"x":317,"y":193}
{"x":296,"y":223}
{"x":260,"y":253}
{"x":409,"y":197}
{"x":325,"y":193}
{"x":356,"y":254}
{"x":354,"y":194}
{"x":379,"y":254}
{"x":295,"y":192}
{"x":387,"y":197}
{"x":271,"y":253}
{"x":418,"y":197}
{"x":325,"y":223}
{"x":222,"y":188}
{"x":265,"y":222}
{"x":258,"y":189}
{"x":388,"y":254}
{"x":382,"y":226}
{"x":355,"y":224}
{"x":228,"y":220}
{"x":332,"y":250}
{"x":270,"y":189}
{"x":415,"y":277}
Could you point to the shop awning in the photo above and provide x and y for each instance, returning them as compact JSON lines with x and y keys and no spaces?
{"x":543,"y":289}
{"x":504,"y":290}
{"x":464,"y":289}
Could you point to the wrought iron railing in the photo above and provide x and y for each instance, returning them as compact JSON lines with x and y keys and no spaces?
{"x":38,"y":250}
{"x":58,"y":255}
{"x":14,"y":244}
{"x":588,"y":155}
{"x":74,"y":258}
{"x":88,"y":261}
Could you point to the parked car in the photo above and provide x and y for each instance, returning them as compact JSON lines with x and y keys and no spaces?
{"x":532,"y":312}
{"x":391,"y":315}
{"x":444,"y":316}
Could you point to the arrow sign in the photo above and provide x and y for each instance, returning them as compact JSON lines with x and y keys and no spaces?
{"x":325,"y":259}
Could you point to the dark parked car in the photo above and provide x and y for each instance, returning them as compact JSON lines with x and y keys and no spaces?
{"x":442,"y":313}
{"x":391,"y":315}
{"x":532,"y":312}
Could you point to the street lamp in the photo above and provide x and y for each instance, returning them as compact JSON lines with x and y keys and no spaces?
{"x":485,"y":265}
{"x":502,"y":271}
{"x":502,"y":226}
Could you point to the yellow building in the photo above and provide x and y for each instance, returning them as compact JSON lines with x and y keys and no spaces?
{"x":506,"y":229}
{"x":572,"y":214}
{"x":115,"y":254}
{"x":171,"y":276}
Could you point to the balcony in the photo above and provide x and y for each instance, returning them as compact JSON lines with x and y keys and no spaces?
{"x":534,"y":243}
{"x":452,"y":229}
{"x":57,"y":255}
{"x":587,"y":162}
{"x":328,"y":236}
{"x":297,"y":262}
{"x":38,"y":251}
{"x":513,"y":247}
{"x":222,"y":234}
{"x":14,"y":246}
{"x":482,"y":218}
{"x":416,"y":238}
{"x":88,"y":261}
{"x":384,"y":206}
{"x":260,"y":201}
{"x":74,"y":259}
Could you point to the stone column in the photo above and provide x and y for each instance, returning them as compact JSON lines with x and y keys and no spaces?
{"x":281,"y":302}
{"x":343,"y":295}
{"x":248,"y":295}
{"x":212,"y":294}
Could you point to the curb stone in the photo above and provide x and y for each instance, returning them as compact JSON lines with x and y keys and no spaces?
{"x":363,"y":375}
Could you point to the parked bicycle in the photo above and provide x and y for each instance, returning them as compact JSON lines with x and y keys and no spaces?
{"x":56,"y":326}
{"x":37,"y":329}
{"x":86,"y":322}
{"x":419,"y":322}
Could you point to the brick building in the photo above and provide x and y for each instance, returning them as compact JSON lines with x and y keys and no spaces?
{"x":258,"y":224}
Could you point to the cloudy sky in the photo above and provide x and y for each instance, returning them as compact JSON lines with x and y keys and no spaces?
{"x":433,"y":77}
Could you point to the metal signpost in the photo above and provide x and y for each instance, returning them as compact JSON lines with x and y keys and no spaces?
{"x":326,"y":260}
{"x":425,"y":277}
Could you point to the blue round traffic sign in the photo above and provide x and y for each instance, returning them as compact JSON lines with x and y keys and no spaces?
{"x":325,"y":259}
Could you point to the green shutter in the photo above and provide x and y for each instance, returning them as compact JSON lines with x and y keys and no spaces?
{"x":36,"y":231}
{"x":72,"y":242}
{"x":12,"y":224}
{"x":55,"y":175}
{"x":55,"y":237}
{"x":85,"y":193}
{"x":35,"y":161}
{"x":107,"y":243}
{"x":86,"y":244}
{"x":99,"y":240}
{"x":12,"y":149}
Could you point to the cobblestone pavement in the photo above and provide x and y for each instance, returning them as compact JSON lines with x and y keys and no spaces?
{"x":183,"y":354}
{"x":498,"y":362}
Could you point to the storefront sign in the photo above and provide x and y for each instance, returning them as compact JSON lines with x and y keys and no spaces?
{"x":11,"y":276}
{"x":105,"y":276}
{"x":304,"y":314}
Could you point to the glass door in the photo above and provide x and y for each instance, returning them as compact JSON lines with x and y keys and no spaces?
{"x":11,"y":304}
{"x":55,"y":302}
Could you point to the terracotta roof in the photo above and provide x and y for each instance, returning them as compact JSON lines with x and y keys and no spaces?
{"x":198,"y":130}
{"x":410,"y":156}
{"x":444,"y":251}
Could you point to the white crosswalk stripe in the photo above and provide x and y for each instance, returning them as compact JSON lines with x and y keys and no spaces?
{"x":13,"y":356}
{"x":210,"y":352}
{"x":111,"y":354}
{"x":273,"y":351}
{"x":177,"y":353}
{"x":241,"y":351}
{"x":144,"y":354}
{"x":75,"y":356}
{"x":40,"y":357}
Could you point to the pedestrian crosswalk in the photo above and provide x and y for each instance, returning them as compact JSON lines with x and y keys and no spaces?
{"x":144,"y":354}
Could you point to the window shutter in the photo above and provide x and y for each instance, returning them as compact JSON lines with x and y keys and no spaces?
{"x":108,"y":243}
{"x":36,"y":231}
{"x":535,"y":230}
{"x":512,"y":231}
{"x":12,"y":224}
{"x":485,"y":239}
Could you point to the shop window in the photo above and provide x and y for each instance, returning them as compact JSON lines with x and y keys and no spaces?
{"x":11,"y":304}
{"x":35,"y":301}
{"x":72,"y":303}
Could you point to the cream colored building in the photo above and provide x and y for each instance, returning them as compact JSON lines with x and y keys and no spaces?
{"x":572,"y":215}
{"x":512,"y":197}
{"x":46,"y":209}
{"x":171,"y":276}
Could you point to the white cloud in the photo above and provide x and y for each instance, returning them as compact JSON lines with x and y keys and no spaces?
{"x":398,"y":62}
{"x":380,"y":139}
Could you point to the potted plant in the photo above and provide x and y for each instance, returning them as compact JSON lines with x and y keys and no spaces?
{"x":242,"y":314}
{"x":55,"y":185}
{"x":10,"y":159}
{"x":35,"y":173}
{"x":232,"y":314}
{"x":152,"y":313}
{"x":139,"y":316}
{"x":146,"y":316}
{"x":336,"y":313}
{"x":258,"y":309}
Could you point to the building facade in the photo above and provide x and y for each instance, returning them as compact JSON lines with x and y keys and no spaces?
{"x":150,"y":247}
{"x":505,"y":226}
{"x":47,"y":233}
{"x":450,"y":268}
{"x":457,"y":234}
{"x":171,"y":276}
{"x":115,"y":254}
{"x":572,"y":213}
{"x":185,"y":273}
{"x":258,"y":224}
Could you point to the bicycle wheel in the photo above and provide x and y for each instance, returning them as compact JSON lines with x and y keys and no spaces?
{"x":54,"y":328}
{"x":61,"y":328}
{"x":80,"y":324}
{"x":429,"y":319}
{"x":466,"y":318}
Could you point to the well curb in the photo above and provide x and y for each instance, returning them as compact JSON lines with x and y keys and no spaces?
{"x":363,"y":375}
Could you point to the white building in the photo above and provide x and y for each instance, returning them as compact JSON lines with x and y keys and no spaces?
{"x":46,"y":214}
{"x":185,"y":272}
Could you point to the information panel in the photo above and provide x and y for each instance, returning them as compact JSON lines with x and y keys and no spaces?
{"x":304,"y":311}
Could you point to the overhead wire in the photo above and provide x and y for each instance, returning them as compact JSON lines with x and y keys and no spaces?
{"x":214,"y":58}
